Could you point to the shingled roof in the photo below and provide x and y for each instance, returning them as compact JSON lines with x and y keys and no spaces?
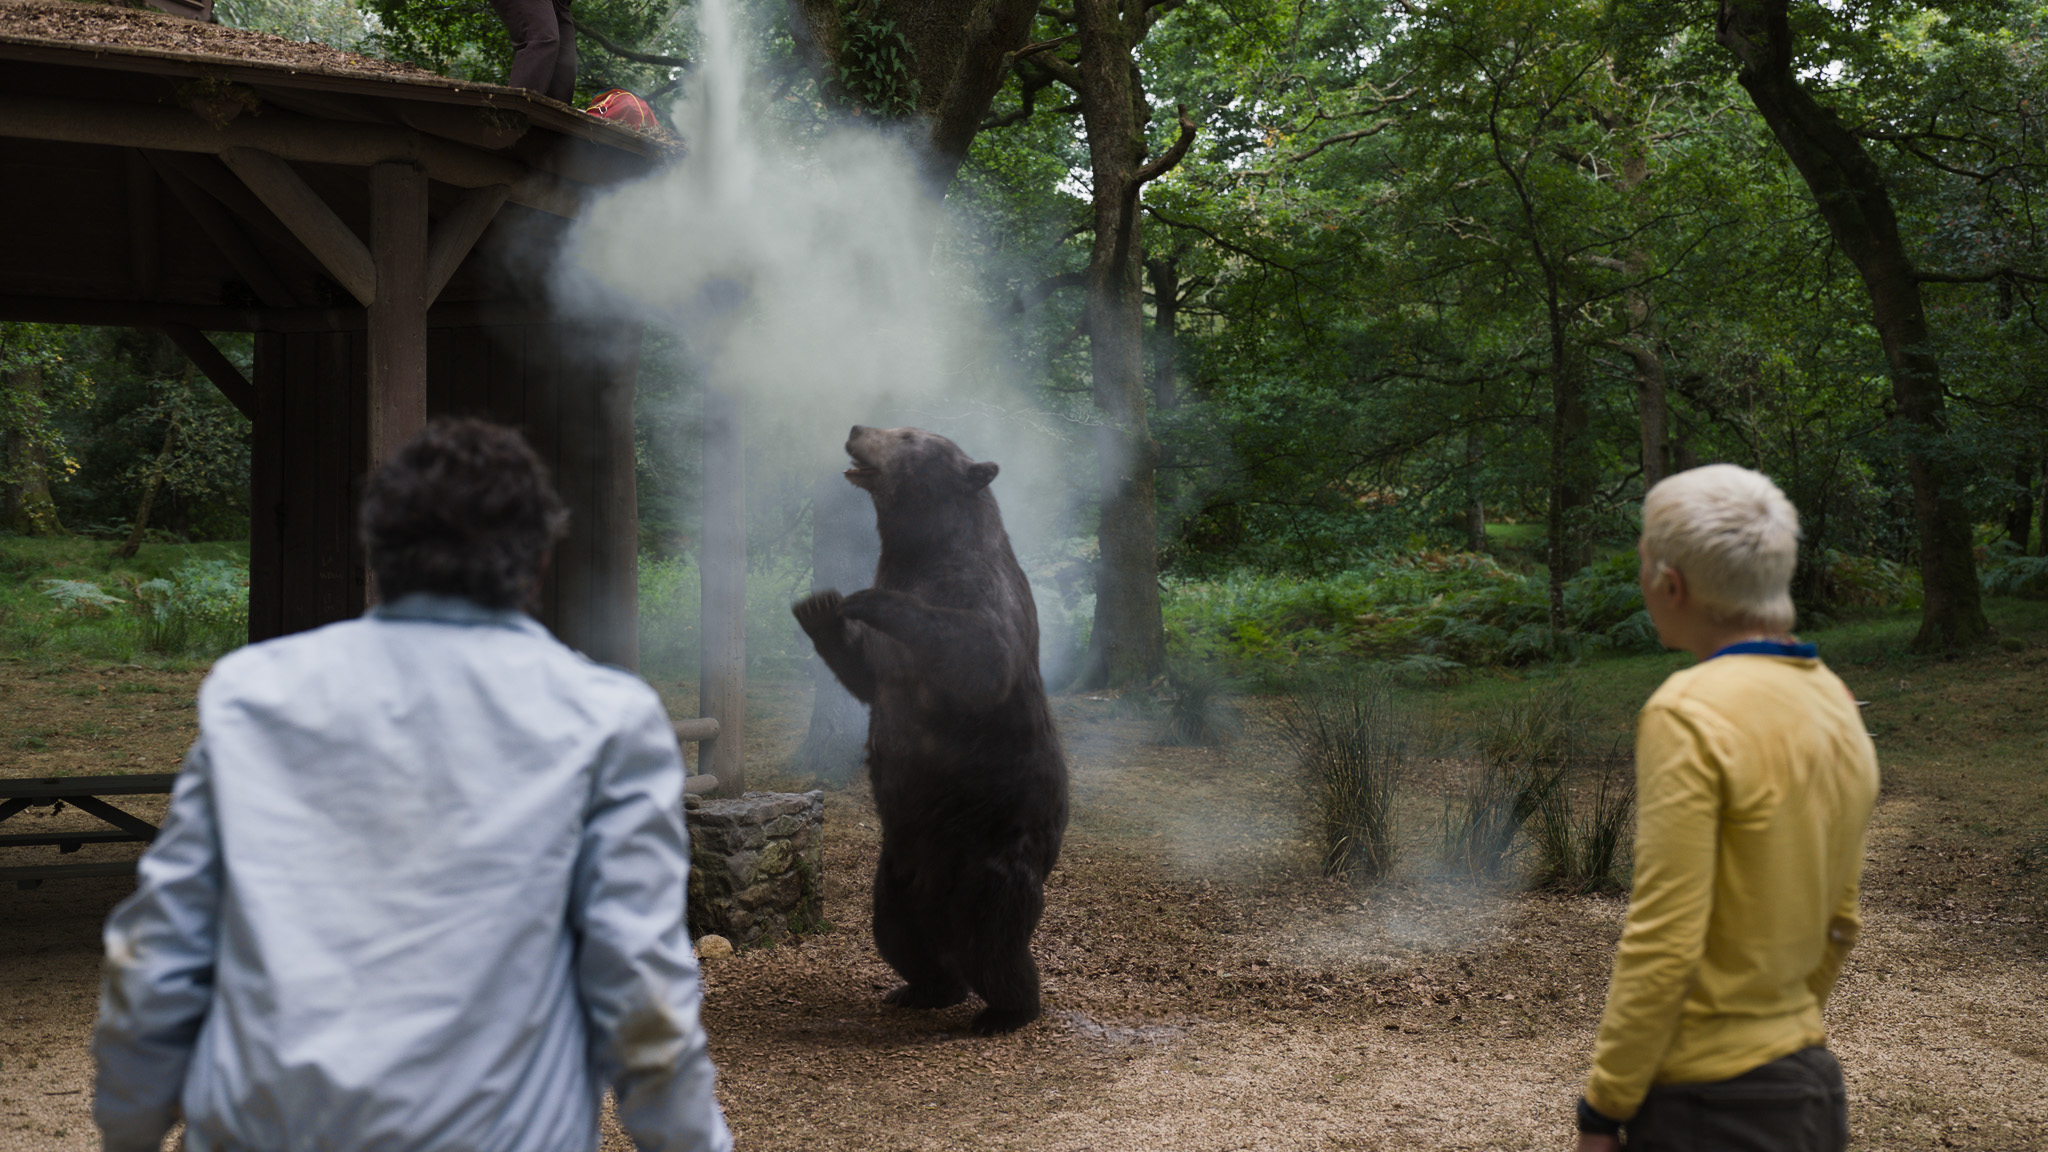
{"x":131,"y":39}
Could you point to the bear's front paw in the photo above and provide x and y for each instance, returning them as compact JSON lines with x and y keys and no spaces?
{"x":925,"y":996}
{"x":866,"y":605}
{"x":818,"y":611}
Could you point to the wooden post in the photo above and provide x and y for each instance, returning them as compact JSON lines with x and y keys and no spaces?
{"x":398,"y":313}
{"x":266,"y":491}
{"x":722,"y":617}
{"x":617,"y":503}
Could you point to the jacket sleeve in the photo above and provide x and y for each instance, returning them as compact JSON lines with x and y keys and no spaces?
{"x":1677,"y":837}
{"x":1844,"y":926}
{"x":158,"y":980}
{"x":635,"y":972}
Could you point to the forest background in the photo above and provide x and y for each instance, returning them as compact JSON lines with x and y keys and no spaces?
{"x":1363,"y":325}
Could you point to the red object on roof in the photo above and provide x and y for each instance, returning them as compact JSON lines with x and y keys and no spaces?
{"x":624,"y":107}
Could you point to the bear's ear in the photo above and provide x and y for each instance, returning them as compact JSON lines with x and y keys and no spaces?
{"x":979,"y":475}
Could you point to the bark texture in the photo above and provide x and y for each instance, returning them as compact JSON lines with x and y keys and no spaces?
{"x":1165,"y":273}
{"x":1853,"y":198}
{"x":2019,"y":518}
{"x":1128,"y":643}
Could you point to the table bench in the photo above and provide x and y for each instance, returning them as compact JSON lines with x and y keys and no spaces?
{"x":85,"y":794}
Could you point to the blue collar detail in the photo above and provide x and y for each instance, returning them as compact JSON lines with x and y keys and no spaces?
{"x":449,"y":610}
{"x":1770,"y":648}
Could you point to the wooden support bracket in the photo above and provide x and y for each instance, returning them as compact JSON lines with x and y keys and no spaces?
{"x":458,"y":232}
{"x":228,"y":237}
{"x":722,"y":604}
{"x":284,"y":192}
{"x":218,"y":368}
{"x":281,"y":134}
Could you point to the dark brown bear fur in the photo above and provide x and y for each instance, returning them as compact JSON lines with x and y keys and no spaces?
{"x":969,"y":778}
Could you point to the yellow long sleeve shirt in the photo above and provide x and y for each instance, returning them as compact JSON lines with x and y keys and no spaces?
{"x":1755,"y":779}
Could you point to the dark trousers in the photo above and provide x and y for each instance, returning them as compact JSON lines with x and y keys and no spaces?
{"x":543,"y":46}
{"x":1793,"y":1104}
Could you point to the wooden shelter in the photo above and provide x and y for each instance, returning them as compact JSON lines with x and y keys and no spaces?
{"x":382,"y":231}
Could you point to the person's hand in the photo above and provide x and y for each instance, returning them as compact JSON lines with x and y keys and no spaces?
{"x":1588,"y":1142}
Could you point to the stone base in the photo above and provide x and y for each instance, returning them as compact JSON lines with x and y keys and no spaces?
{"x":756,"y":865}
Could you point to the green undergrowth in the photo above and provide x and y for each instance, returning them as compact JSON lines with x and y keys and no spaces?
{"x":1434,"y":612}
{"x":170,"y":604}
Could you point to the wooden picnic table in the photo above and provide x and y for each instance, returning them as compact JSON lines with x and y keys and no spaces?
{"x":85,"y":794}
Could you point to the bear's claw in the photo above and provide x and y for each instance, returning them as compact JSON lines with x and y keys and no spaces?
{"x":818,"y":610}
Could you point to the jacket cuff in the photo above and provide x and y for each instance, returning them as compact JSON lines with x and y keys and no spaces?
{"x":1593,"y":1122}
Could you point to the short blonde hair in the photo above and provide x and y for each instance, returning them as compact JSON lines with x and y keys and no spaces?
{"x":1733,"y":535}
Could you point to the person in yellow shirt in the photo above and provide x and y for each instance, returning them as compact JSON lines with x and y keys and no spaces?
{"x":1755,"y":782}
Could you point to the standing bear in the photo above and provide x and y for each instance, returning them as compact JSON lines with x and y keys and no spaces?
{"x":969,"y":778}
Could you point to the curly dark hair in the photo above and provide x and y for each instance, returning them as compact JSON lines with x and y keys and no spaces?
{"x":464,"y":509}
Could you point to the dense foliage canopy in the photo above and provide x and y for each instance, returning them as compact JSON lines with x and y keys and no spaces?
{"x":1434,"y":275}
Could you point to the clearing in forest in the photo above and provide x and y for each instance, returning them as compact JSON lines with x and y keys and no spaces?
{"x":1206,"y":990}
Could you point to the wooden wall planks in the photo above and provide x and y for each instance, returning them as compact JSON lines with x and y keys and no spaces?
{"x":568,"y":388}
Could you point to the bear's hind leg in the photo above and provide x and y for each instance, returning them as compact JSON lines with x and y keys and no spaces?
{"x":905,"y":942}
{"x":1005,"y":913}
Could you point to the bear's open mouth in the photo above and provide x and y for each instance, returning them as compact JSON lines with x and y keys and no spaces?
{"x":858,"y":472}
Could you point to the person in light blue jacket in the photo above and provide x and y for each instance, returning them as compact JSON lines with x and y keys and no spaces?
{"x":422,"y":882}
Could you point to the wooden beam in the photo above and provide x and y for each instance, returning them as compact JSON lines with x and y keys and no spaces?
{"x":722,"y":571}
{"x":216,"y":318}
{"x":700,"y":729}
{"x":145,"y":232}
{"x":228,"y":237}
{"x":287,"y":137}
{"x":398,"y":314}
{"x":126,"y":313}
{"x":289,"y":256}
{"x":325,"y":234}
{"x":218,"y":368}
{"x":458,"y":232}
{"x":486,"y":128}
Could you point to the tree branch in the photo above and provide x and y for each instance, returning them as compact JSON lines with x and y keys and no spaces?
{"x":605,"y":43}
{"x":1344,"y":137}
{"x":1978,"y":277}
{"x":1166,"y":160}
{"x":1038,"y":293}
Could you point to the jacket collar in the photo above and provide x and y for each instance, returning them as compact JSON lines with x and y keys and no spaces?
{"x":444,"y":609}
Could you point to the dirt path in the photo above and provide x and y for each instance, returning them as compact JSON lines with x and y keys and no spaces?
{"x":1204,"y":991}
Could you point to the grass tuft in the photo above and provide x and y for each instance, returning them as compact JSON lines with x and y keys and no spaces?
{"x":1351,"y":736}
{"x":1580,"y":846}
{"x":1198,"y":714}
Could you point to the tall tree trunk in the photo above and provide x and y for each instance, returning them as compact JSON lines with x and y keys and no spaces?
{"x":1475,"y":503}
{"x":1128,"y":642}
{"x":1851,"y":194}
{"x":2019,"y":519}
{"x":1165,"y":272}
{"x":1570,"y":486}
{"x":133,"y":544}
{"x":844,"y":552}
{"x":1653,"y":410}
{"x":2041,"y":549}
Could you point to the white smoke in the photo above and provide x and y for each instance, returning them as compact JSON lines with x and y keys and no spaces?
{"x":796,"y":264}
